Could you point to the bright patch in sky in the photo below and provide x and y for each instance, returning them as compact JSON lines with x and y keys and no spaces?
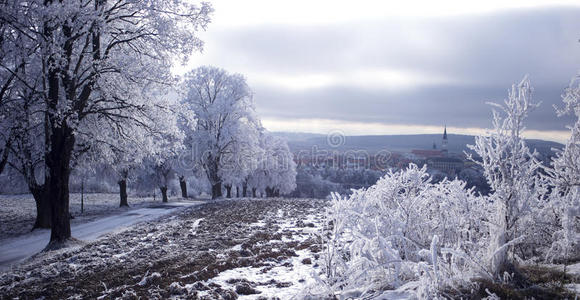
{"x":374,"y":79}
{"x":325,"y":126}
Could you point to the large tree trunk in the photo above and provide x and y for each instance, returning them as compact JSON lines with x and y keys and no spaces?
{"x":60,"y":141}
{"x":269,"y":192}
{"x":183,"y":185}
{"x":245,"y":190}
{"x":216,"y":190}
{"x":228,"y":191}
{"x":254,"y":192}
{"x":123,"y":192}
{"x":42,"y":208}
{"x":237,"y":192}
{"x":58,"y":162}
{"x":164,"y":193}
{"x":213,"y":174}
{"x":5,"y":152}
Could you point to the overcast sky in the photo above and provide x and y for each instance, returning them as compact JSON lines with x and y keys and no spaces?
{"x":395,"y":67}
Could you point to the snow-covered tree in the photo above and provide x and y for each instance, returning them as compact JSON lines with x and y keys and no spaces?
{"x":163,"y":170}
{"x":510,"y":169}
{"x":242,"y":160}
{"x":156,"y":142}
{"x":28,"y":153}
{"x":281,"y":167}
{"x":276,"y":170}
{"x":564,"y":178}
{"x":186,"y":161}
{"x":97,"y":57}
{"x":223,"y":106}
{"x":163,"y":161}
{"x":22,"y":130}
{"x":19,"y":69}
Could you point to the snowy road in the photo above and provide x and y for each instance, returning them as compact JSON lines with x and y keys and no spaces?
{"x":17,"y":249}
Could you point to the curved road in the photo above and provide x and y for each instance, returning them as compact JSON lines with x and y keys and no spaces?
{"x":17,"y":249}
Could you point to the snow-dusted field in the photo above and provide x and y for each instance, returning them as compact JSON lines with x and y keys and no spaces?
{"x":243,"y":249}
{"x":17,"y":212}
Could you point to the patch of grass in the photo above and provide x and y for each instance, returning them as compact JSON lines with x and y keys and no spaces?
{"x":532,"y":281}
{"x":544,"y":275}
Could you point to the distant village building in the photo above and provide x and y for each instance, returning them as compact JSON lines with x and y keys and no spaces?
{"x":436,"y":158}
{"x":449,"y":165}
{"x":426,"y":154}
{"x":439,"y":159}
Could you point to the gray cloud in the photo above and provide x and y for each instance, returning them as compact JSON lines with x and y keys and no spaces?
{"x":458,"y":106}
{"x":483,"y":54}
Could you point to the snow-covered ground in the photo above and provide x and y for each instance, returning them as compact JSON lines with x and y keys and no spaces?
{"x":243,"y":249}
{"x":15,"y":249}
{"x":17,"y":212}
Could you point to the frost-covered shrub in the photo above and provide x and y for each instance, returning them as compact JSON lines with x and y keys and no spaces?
{"x":563,"y":206}
{"x":402,"y":229}
{"x":511,"y":170}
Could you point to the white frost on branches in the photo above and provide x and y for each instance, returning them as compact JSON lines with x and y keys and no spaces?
{"x":396,"y":231}
{"x":564,"y":177}
{"x":510,"y":168}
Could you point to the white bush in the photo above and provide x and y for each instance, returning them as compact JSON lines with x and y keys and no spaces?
{"x":402,"y":229}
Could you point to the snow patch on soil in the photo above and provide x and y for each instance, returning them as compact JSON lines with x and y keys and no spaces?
{"x":285,"y":280}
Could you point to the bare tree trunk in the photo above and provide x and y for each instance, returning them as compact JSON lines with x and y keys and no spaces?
{"x":254,"y":192}
{"x":58,"y":162}
{"x":4,"y":157}
{"x":123,"y":192}
{"x":216,"y":190}
{"x":212,"y":173}
{"x":82,"y":195}
{"x":164,"y":193}
{"x":183,"y":185}
{"x":42,"y":208}
{"x":228,"y":191}
{"x":269,"y":192}
{"x":245,"y":190}
{"x":237,"y":191}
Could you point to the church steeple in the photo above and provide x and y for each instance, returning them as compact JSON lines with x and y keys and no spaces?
{"x":444,"y":142}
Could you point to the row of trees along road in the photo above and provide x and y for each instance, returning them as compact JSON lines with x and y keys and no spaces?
{"x":227,"y":139}
{"x":85,"y":84}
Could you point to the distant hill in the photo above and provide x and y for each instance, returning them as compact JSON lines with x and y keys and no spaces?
{"x":396,"y":143}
